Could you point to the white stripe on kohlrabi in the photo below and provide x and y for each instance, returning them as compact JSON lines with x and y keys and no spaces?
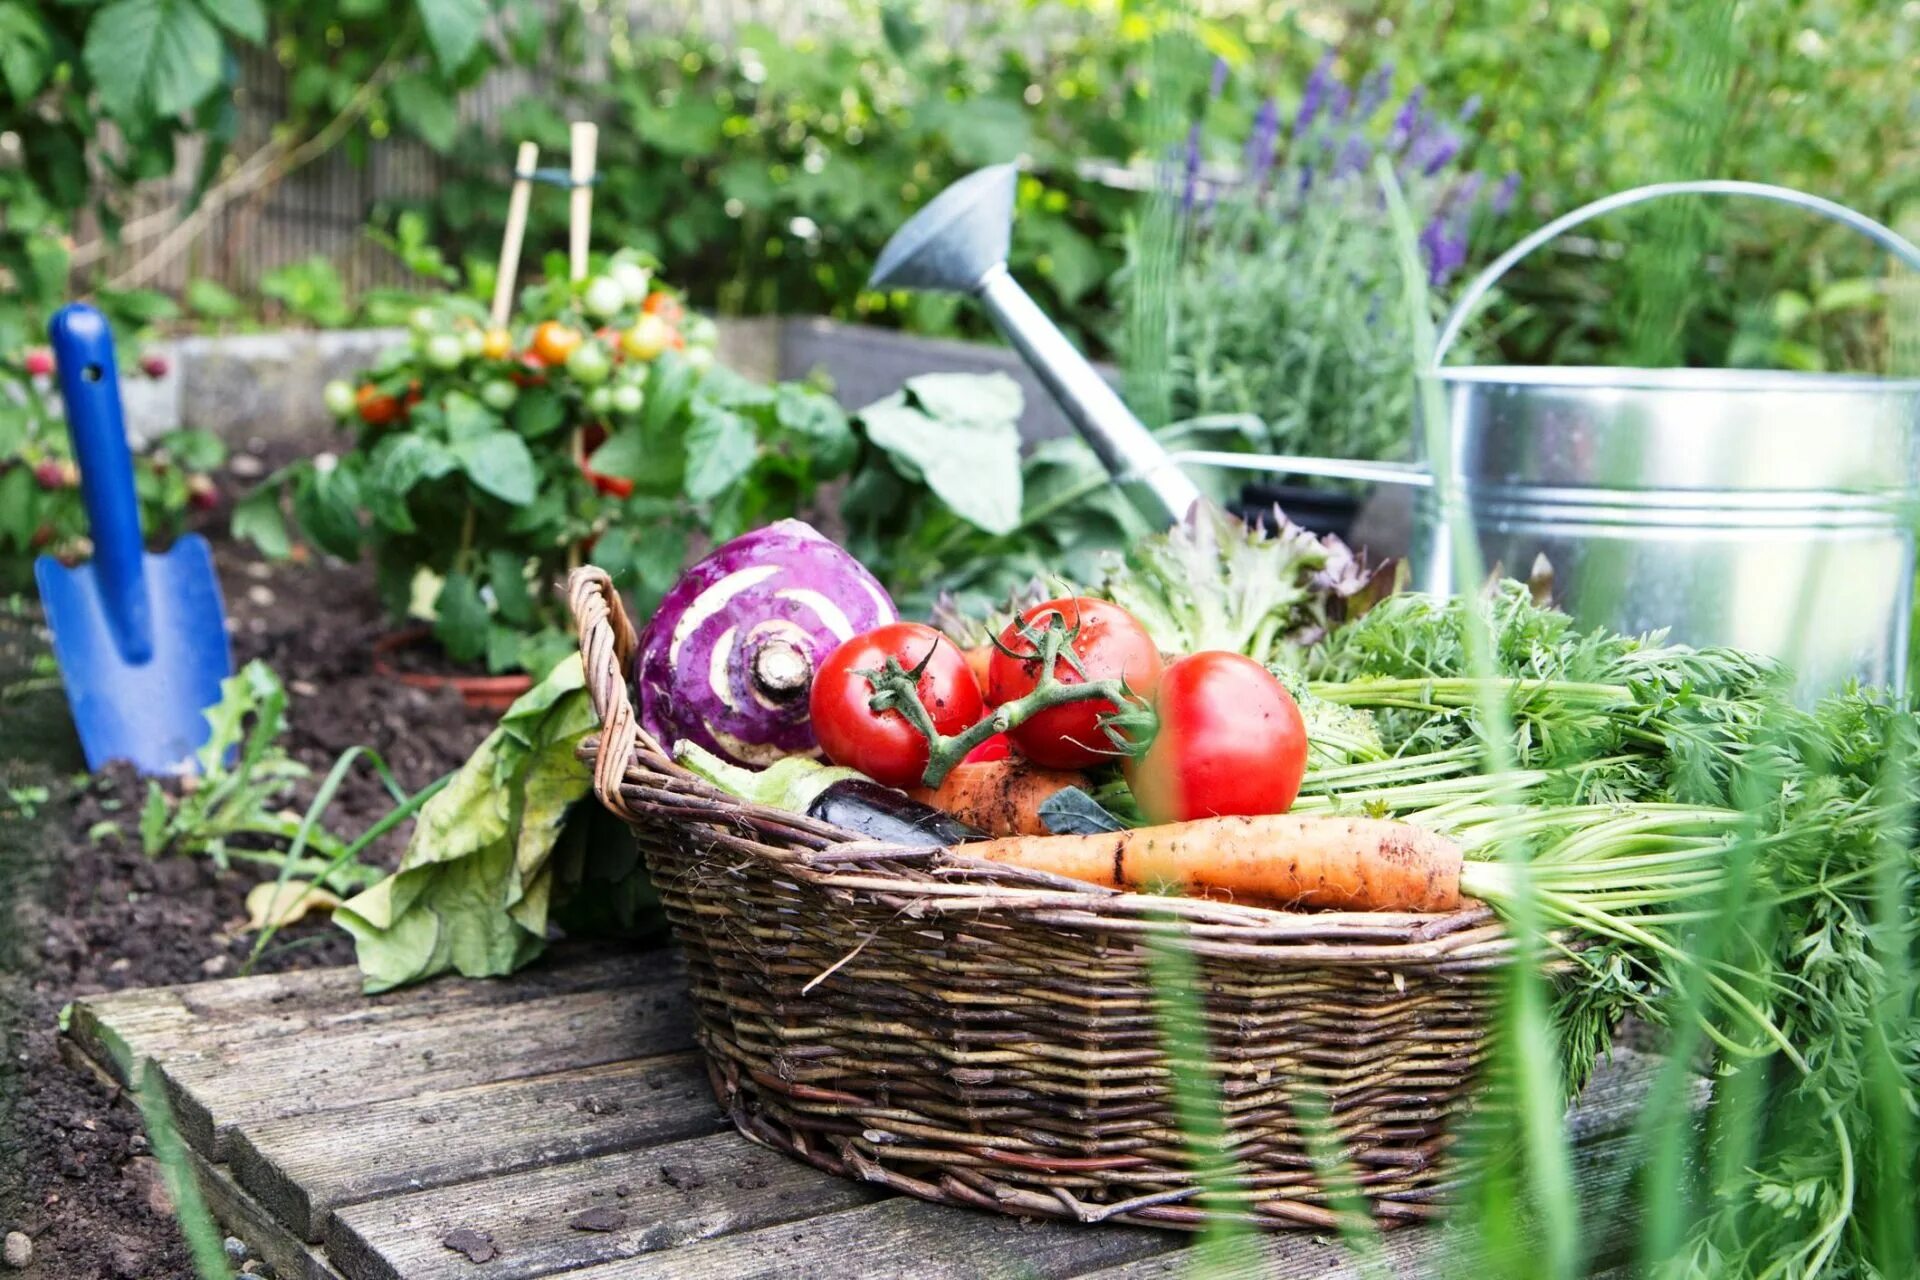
{"x":826,"y":610}
{"x":713,"y":600}
{"x":719,"y":661}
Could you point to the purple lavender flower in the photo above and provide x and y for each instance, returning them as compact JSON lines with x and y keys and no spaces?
{"x":1219,"y":78}
{"x":1339,"y":103}
{"x":1461,"y":198}
{"x":1433,"y":150}
{"x":1408,"y":121}
{"x":1314,"y":95}
{"x":1443,"y":243}
{"x":1354,"y":155}
{"x":1470,"y":109}
{"x":1503,"y":195}
{"x":1373,"y":93}
{"x":1190,"y":186}
{"x":1257,"y":157}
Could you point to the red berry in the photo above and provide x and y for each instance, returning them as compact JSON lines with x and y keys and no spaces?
{"x":52,"y":474}
{"x":39,"y":362}
{"x":202,"y":493}
{"x":154,"y":366}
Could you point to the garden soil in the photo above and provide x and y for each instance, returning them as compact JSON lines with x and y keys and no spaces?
{"x":83,"y":911}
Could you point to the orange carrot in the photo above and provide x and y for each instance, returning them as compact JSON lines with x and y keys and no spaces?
{"x":1001,"y":797}
{"x":1287,"y":860}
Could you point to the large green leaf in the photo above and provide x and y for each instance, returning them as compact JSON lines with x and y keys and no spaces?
{"x":720,"y":450}
{"x":152,"y":57}
{"x":960,"y":435}
{"x":257,"y":519}
{"x":327,"y":505}
{"x":427,"y":110}
{"x":399,"y":464}
{"x":26,"y":50}
{"x":499,"y":463}
{"x":460,"y":618}
{"x":245,"y":18}
{"x":453,"y":27}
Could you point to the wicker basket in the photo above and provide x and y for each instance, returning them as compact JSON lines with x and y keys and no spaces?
{"x":973,"y":1034}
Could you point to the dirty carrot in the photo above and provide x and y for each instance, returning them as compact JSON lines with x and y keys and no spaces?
{"x":1001,"y":797}
{"x":1346,"y":864}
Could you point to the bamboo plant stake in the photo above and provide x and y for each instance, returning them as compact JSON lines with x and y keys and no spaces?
{"x":585,"y":139}
{"x":503,"y":279}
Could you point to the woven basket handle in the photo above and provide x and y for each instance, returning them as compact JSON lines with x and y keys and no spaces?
{"x":607,"y":642}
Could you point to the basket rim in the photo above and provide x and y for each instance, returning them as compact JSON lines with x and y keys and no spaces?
{"x":643,"y":785}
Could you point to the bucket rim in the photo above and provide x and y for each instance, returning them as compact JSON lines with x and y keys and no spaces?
{"x":1721,"y":381}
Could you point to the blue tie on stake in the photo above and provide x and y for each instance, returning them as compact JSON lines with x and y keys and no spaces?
{"x":141,"y":637}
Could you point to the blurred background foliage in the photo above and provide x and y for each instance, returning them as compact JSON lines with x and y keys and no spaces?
{"x":767,"y":168}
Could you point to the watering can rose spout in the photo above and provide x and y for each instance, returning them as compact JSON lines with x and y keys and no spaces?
{"x":958,"y":244}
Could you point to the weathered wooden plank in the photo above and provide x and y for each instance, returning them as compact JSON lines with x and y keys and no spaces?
{"x":219,"y":1087}
{"x":151,"y":1022}
{"x":656,"y":1198}
{"x":900,"y":1239}
{"x":1601,"y":1170}
{"x":304,"y":1166}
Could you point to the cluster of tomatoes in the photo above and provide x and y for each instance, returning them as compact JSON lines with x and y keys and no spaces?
{"x":1221,"y":734}
{"x":605,"y":366}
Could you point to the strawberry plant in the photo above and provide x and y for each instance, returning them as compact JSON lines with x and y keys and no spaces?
{"x":40,"y":509}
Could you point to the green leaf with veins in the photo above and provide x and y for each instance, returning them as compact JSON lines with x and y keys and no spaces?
{"x":720,"y":451}
{"x":499,"y":463}
{"x":152,"y":57}
{"x":460,"y":618}
{"x":454,"y":28}
{"x":245,"y":18}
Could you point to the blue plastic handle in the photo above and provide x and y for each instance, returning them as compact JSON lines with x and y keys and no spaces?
{"x":90,"y":387}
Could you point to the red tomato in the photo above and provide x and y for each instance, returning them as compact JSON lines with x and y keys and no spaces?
{"x":1230,"y":741}
{"x":1111,"y":645}
{"x":665,"y":305}
{"x":592,"y":436}
{"x":553,"y":342}
{"x":995,"y":748}
{"x":979,"y":661}
{"x":886,"y":747}
{"x":376,"y":410}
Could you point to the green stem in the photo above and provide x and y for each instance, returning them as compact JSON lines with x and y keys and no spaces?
{"x":897,"y":689}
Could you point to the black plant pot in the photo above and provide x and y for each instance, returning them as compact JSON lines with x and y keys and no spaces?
{"x":1317,"y":510}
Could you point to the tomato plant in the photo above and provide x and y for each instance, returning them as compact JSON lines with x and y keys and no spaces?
{"x":885,"y":745}
{"x":1229,"y":740}
{"x":1109,"y":644}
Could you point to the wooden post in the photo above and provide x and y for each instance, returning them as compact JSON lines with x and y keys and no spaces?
{"x":586,"y":141}
{"x":503,"y":280}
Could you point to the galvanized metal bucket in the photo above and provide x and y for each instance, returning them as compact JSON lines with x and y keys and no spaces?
{"x":1768,"y":510}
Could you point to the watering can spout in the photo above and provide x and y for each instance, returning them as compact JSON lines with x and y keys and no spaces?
{"x":958,"y":244}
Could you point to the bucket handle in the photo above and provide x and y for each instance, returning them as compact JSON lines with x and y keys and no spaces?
{"x":1476,"y":292}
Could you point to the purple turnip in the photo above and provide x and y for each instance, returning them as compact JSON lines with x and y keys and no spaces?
{"x":728,"y":659}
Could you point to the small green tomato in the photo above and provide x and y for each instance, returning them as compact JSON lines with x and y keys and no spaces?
{"x":634,"y":281}
{"x":699,"y":331}
{"x":600,"y":401}
{"x":445,"y":351}
{"x":627,"y":398}
{"x":698,"y":358}
{"x":499,"y":394}
{"x":604,"y":297}
{"x":589,"y":364}
{"x":472,"y":342}
{"x":423,"y":320}
{"x":338,"y":397}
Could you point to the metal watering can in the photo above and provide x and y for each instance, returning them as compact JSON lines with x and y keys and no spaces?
{"x":1767,"y":510}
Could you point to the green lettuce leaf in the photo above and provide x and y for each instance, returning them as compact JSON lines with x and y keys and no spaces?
{"x":499,"y":850}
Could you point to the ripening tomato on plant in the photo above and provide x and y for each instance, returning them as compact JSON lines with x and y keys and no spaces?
{"x":885,"y":745}
{"x":376,"y":409}
{"x":1110,"y":644}
{"x":1229,"y":741}
{"x":553,"y":342}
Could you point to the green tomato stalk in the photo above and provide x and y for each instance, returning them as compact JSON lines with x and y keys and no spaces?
{"x":895,"y":688}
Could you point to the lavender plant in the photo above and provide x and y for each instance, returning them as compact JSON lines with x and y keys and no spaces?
{"x":1284,"y":301}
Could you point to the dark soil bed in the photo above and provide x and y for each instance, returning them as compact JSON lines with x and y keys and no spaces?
{"x":83,"y":912}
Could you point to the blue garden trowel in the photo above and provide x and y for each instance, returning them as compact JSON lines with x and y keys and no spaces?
{"x":141,"y":637}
